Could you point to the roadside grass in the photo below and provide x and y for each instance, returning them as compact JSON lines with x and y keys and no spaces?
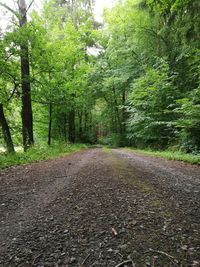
{"x":106,"y":149}
{"x":170,"y":155}
{"x":38,"y":153}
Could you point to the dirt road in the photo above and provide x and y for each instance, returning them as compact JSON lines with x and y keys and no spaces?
{"x":100,"y":208}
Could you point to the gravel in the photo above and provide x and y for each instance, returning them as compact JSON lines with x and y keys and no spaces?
{"x":95,"y":208}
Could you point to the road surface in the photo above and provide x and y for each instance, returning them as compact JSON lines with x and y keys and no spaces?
{"x":100,"y":208}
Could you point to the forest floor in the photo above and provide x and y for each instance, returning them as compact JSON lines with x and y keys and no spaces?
{"x":100,"y":208}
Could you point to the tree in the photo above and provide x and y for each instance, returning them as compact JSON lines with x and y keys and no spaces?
{"x":134,"y":81}
{"x":60,"y":71}
{"x":27,"y":117}
{"x":138,"y":40}
{"x":6,"y":131}
{"x":7,"y":80}
{"x":152,"y":102}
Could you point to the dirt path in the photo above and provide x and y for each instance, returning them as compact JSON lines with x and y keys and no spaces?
{"x":66,"y":212}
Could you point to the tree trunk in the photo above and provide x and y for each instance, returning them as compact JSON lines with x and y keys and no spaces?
{"x":6,"y":131}
{"x":116,"y":106}
{"x":27,"y":117}
{"x":124,"y":113}
{"x":80,"y":115}
{"x":124,"y":118}
{"x":72,"y":134}
{"x":86,"y":123}
{"x":64,"y":126}
{"x":50,"y":124}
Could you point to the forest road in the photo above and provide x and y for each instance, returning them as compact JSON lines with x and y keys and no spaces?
{"x":99,"y":208}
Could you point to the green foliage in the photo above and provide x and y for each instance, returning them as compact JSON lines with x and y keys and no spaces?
{"x":134,"y":81}
{"x":149,"y":65}
{"x":152,"y":102}
{"x":38,"y":153}
{"x":60,"y":70}
{"x":119,"y":64}
{"x":113,"y":140}
{"x":170,"y":155}
{"x":189,"y":123}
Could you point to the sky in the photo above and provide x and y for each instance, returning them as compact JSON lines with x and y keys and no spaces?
{"x":100,"y":5}
{"x":98,"y":9}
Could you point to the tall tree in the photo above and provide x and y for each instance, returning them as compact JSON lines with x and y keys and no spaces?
{"x":27,"y":117}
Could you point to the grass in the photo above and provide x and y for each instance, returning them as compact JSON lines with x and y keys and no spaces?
{"x":170,"y":155}
{"x":106,"y":149}
{"x":37,"y":154}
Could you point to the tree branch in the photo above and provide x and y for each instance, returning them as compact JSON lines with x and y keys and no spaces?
{"x":11,"y":21}
{"x":151,"y":31}
{"x":125,"y":262}
{"x":56,"y":103}
{"x":10,"y":9}
{"x":13,"y":92}
{"x":28,"y":7}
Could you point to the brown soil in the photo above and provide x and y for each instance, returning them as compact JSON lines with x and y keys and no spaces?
{"x":96,"y":208}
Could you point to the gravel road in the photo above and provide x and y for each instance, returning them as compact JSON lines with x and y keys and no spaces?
{"x":100,"y":208}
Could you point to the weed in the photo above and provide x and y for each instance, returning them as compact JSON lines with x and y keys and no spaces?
{"x":38,"y":153}
{"x":171,"y":155}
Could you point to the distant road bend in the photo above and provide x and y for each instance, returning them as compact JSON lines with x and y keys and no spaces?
{"x":100,"y":208}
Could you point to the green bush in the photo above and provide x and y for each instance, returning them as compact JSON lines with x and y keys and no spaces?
{"x":112,"y":140}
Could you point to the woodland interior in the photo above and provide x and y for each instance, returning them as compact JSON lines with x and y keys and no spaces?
{"x":131,"y":80}
{"x":103,"y":117}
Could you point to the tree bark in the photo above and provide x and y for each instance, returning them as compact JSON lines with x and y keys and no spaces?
{"x":72,"y":130}
{"x":64,"y":115}
{"x":85,"y":123}
{"x":124,"y":113}
{"x":50,"y":124}
{"x":80,"y":115}
{"x":27,"y":116}
{"x":6,"y":131}
{"x":117,"y":111}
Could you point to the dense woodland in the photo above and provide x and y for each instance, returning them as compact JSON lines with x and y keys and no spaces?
{"x":133,"y":80}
